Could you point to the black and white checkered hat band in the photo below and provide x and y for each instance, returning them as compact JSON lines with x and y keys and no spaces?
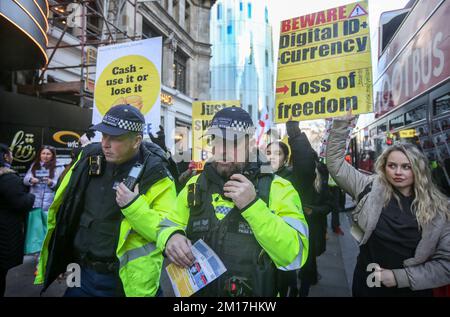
{"x":233,"y":125}
{"x":127,"y":125}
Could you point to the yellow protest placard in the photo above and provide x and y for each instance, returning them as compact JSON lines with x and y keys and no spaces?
{"x":324,"y":64}
{"x":202,"y":114}
{"x":129,"y":73}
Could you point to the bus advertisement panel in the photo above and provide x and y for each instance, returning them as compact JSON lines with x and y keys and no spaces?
{"x":421,"y":65}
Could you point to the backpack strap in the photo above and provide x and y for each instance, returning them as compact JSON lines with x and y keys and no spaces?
{"x":196,"y":194}
{"x":365,"y":191}
{"x":157,"y":150}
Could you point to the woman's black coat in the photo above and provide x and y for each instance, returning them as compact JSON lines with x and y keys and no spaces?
{"x":15,"y":202}
{"x":304,"y":160}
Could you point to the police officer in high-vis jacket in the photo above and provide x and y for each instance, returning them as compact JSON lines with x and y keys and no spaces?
{"x":251,"y":218}
{"x":106,"y":213}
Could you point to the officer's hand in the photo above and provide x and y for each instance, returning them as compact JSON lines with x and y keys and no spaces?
{"x":240,"y":190}
{"x":348,"y":116}
{"x":124,"y":196}
{"x":178,"y":250}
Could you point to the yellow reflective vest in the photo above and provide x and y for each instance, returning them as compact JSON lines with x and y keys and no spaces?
{"x":279,"y":227}
{"x":140,"y":259}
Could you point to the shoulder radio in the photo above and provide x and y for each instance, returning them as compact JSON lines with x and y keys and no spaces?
{"x":134,"y":176}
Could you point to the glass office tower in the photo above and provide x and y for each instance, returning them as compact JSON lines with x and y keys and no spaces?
{"x":242,"y":65}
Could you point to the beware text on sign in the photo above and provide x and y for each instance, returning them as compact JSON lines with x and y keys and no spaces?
{"x":202,"y":114}
{"x":324,"y":64}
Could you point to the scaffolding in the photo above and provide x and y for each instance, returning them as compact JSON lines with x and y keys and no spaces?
{"x":94,"y":23}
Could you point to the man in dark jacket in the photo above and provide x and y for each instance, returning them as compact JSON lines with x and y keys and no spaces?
{"x":304,"y":161}
{"x":106,"y":213}
{"x":14,"y":203}
{"x":160,"y":140}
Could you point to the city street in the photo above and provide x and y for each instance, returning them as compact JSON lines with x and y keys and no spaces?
{"x":335,"y":267}
{"x":124,"y":122}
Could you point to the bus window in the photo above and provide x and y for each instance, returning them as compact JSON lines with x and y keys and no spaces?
{"x":422,"y":131}
{"x":416,"y":114}
{"x":379,"y":145}
{"x":441,"y":137}
{"x":440,"y":140}
{"x":441,"y":105}
{"x":396,"y":122}
{"x":381,"y":128}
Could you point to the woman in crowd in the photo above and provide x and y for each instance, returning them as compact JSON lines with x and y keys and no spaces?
{"x":306,"y":177}
{"x":401,"y":220}
{"x":278,"y":156}
{"x":42,"y":177}
{"x":14,"y":203}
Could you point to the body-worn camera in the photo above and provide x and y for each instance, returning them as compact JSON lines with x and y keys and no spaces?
{"x":133,"y":176}
{"x":95,"y":165}
{"x":193,"y":195}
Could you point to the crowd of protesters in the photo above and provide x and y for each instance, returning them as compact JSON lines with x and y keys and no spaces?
{"x":401,"y":218}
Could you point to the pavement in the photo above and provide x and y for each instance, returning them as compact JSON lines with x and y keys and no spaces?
{"x":336,"y":264}
{"x":335,"y":267}
{"x":19,"y":282}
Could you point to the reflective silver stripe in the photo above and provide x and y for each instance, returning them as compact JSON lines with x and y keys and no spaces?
{"x":136,"y":253}
{"x":297,"y":225}
{"x":301,"y":228}
{"x":166,"y":223}
{"x":297,"y":263}
{"x":128,"y":233}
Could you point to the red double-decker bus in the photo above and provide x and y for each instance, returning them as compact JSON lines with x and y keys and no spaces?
{"x":412,"y":87}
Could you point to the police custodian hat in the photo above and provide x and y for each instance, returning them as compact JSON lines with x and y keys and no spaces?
{"x":230,"y":122}
{"x":121,"y":119}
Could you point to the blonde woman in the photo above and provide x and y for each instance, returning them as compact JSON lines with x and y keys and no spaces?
{"x":401,"y":220}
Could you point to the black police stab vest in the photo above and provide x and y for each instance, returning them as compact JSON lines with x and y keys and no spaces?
{"x":61,"y":249}
{"x":233,"y":241}
{"x":96,"y":237}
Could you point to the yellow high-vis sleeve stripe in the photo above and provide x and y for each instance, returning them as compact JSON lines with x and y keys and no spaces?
{"x":280,"y":228}
{"x":177,"y":219}
{"x":146,"y":213}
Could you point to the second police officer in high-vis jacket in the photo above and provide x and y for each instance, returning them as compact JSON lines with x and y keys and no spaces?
{"x":251,"y":218}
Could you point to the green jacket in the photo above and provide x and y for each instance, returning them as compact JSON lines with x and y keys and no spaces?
{"x":140,"y":259}
{"x":280,"y":228}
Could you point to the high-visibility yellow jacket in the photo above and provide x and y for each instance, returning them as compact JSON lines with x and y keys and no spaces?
{"x":140,"y":259}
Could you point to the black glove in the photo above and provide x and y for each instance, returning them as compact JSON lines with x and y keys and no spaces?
{"x":90,"y":133}
{"x":293,"y":129}
{"x":160,"y":138}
